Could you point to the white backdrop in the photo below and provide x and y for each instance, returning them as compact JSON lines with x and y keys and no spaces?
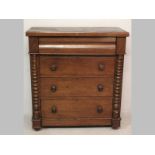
{"x":126,"y":93}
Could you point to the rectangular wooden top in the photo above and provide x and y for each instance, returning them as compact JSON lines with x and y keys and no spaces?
{"x":77,"y":31}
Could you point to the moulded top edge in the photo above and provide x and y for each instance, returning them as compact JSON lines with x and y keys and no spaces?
{"x":77,"y":31}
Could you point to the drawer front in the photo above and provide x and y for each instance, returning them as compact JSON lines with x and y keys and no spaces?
{"x":76,"y":87}
{"x":76,"y":66}
{"x":78,"y":45}
{"x":77,"y":108}
{"x":77,"y":40}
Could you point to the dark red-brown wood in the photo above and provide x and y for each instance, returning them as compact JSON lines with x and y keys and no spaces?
{"x":76,"y":87}
{"x":76,"y":66}
{"x":77,"y":108}
{"x":76,"y":75}
{"x":35,"y":84}
{"x":77,"y":31}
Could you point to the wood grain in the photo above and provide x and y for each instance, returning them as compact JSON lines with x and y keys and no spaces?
{"x":120,"y":45}
{"x":76,"y":75}
{"x":78,"y":49}
{"x":81,"y":52}
{"x":33,"y":44}
{"x":76,"y":66}
{"x":77,"y":108}
{"x":76,"y":122}
{"x":78,"y":40}
{"x":76,"y":87}
{"x":77,"y":31}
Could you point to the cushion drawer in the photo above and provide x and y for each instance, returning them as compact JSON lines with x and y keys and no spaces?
{"x":73,"y":108}
{"x":78,"y":45}
{"x":76,"y":66}
{"x":52,"y":87}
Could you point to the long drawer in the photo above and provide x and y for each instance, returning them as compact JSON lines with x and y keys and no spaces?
{"x":76,"y":66}
{"x":54,"y":87}
{"x":77,"y":45}
{"x":74,"y":108}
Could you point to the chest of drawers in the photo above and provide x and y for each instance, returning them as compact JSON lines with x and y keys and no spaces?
{"x":76,"y":75}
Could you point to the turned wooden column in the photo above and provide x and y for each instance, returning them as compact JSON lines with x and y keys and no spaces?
{"x":118,"y":77}
{"x":34,"y":59}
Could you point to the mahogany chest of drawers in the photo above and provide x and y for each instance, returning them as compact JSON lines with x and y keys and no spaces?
{"x":76,"y":75}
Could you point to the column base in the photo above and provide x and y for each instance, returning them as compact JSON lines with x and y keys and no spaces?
{"x":116,"y":123}
{"x":36,"y":124}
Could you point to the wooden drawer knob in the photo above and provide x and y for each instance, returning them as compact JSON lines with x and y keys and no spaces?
{"x":101,"y":67}
{"x":53,"y":67}
{"x":100,"y":87}
{"x":53,"y":88}
{"x":54,"y":109}
{"x":99,"y":109}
